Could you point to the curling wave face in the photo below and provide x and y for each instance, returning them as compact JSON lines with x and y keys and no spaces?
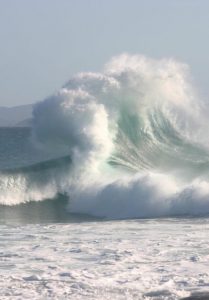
{"x":129,"y":142}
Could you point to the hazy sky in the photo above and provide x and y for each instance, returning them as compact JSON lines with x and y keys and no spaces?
{"x":44,"y":42}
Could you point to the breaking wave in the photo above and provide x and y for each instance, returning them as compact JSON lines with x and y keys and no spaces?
{"x":128,"y":142}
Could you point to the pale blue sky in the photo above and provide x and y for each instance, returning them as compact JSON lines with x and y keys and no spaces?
{"x":44,"y":42}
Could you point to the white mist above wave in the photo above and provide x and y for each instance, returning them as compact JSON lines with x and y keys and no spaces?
{"x":136,"y":135}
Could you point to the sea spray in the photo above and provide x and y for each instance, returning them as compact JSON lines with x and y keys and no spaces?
{"x":135,"y":136}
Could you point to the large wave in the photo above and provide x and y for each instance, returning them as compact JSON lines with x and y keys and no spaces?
{"x":135,"y":138}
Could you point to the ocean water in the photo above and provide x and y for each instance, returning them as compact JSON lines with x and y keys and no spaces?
{"x":107,"y":194}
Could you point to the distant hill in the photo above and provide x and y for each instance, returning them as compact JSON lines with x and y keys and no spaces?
{"x":16,"y":116}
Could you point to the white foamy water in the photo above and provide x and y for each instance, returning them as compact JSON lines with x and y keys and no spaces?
{"x":139,"y":259}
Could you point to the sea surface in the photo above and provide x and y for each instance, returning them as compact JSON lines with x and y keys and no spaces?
{"x":106,"y":196}
{"x":47,"y":252}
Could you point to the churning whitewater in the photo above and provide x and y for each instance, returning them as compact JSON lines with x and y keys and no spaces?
{"x":125,"y":143}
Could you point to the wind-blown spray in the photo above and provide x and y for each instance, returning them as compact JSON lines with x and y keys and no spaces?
{"x":135,"y":135}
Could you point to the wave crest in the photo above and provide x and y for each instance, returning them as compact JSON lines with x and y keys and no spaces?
{"x":136,"y":137}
